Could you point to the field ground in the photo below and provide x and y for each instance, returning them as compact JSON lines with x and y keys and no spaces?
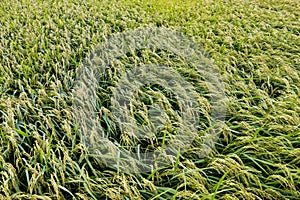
{"x":254,"y":44}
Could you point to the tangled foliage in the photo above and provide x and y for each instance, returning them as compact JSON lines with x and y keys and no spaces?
{"x":254,"y":44}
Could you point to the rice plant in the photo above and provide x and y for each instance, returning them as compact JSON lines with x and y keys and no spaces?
{"x":253,"y":44}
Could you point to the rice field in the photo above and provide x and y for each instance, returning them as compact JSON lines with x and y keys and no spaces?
{"x":252,"y":46}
